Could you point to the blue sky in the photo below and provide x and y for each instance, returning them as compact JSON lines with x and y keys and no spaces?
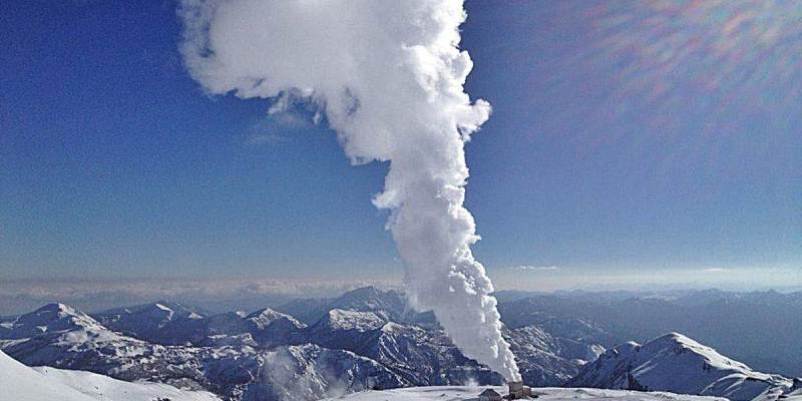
{"x":621,"y":145}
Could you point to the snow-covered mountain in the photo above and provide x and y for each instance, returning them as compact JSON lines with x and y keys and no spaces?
{"x":67,"y":338}
{"x":389,"y":305}
{"x":678,"y":364}
{"x":466,"y":393}
{"x":151,"y":322}
{"x":269,"y":327}
{"x":547,"y":360}
{"x":55,"y":317}
{"x":374,"y":340}
{"x":63,"y":337}
{"x":22,"y":383}
{"x":365,"y":339}
{"x":310,"y":372}
{"x":175,"y":324}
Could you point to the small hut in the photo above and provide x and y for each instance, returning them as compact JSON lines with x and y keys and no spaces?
{"x":518,"y":390}
{"x":490,"y":395}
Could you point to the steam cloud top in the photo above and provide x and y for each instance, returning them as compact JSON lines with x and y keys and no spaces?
{"x":389,"y":77}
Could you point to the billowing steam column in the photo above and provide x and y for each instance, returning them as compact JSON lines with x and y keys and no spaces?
{"x":388,"y":76}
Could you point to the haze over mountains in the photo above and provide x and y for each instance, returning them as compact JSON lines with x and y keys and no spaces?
{"x":370,"y":339}
{"x":763,"y":329}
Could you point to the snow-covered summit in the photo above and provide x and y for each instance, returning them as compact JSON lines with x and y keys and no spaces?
{"x":51,"y":318}
{"x":269,"y":327}
{"x":339,"y":319}
{"x":263,"y":318}
{"x":678,"y":364}
{"x":387,"y":304}
{"x":148,"y":321}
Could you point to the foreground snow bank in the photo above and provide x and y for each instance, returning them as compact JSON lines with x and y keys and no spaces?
{"x":22,"y":383}
{"x":459,"y":393}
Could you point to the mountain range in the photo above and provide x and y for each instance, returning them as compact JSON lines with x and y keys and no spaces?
{"x":365,"y":339}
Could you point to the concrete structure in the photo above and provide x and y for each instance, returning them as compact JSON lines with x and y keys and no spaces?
{"x":518,"y":390}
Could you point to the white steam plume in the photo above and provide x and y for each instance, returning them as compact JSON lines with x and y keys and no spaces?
{"x":389,"y":77}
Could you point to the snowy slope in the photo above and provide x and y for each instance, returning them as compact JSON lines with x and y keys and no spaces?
{"x":105,"y":388}
{"x":420,"y":356}
{"x":545,"y":360}
{"x":21,"y":383}
{"x":454,"y":393}
{"x":677,"y":364}
{"x":309,"y":372}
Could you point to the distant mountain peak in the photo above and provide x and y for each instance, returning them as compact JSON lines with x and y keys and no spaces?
{"x":267,"y":313}
{"x":52,"y":317}
{"x":353,"y":320}
{"x":678,"y":339}
{"x":57,"y":308}
{"x":676,"y":363}
{"x":265,"y":317}
{"x":364,"y":292}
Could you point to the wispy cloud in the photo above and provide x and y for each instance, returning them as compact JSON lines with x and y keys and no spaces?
{"x":156,"y":287}
{"x":23,"y":295}
{"x":267,"y":138}
{"x":276,"y":128}
{"x":536,"y":268}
